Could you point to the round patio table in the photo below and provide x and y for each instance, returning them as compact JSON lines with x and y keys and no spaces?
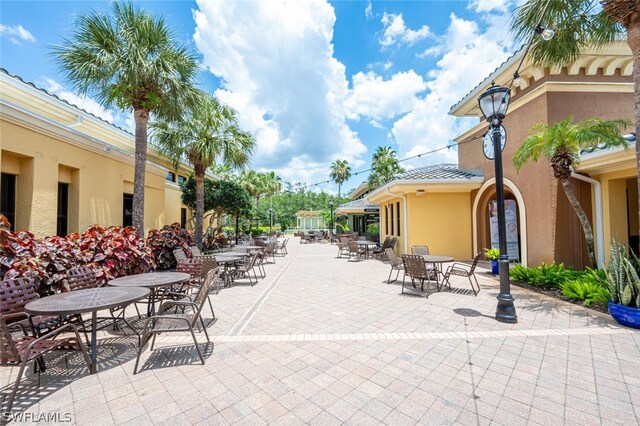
{"x":83,"y":301}
{"x":367,"y":244}
{"x":153,"y":281}
{"x":430,"y":258}
{"x":251,"y":247}
{"x":229,"y":259}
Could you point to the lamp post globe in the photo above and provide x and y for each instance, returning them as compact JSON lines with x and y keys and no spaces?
{"x":494,"y":103}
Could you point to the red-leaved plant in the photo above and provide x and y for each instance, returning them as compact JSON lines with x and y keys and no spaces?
{"x":164,"y":241}
{"x":112,"y":252}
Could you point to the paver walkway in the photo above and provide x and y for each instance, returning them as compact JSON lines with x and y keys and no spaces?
{"x":326,"y":341}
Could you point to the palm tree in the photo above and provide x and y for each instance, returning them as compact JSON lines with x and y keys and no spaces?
{"x":578,"y":24}
{"x":131,"y":60}
{"x":255,"y":184}
{"x":385,"y":166}
{"x":207,"y":133}
{"x":340,"y":172}
{"x":273,"y":186}
{"x":560,"y":144}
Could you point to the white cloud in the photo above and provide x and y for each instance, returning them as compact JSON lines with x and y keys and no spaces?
{"x":368,"y":11}
{"x":81,"y":102}
{"x":376,"y":98}
{"x":396,"y":32}
{"x":16,"y":33}
{"x":468,"y":56}
{"x":278,"y":71}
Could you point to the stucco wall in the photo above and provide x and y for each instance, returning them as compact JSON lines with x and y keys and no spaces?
{"x":97,"y":183}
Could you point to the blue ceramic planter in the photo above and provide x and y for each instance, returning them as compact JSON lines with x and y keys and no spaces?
{"x":495,"y":267}
{"x":625,"y":315}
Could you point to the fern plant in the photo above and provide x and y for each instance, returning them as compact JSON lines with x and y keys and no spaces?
{"x":623,"y":281}
{"x":590,"y":288}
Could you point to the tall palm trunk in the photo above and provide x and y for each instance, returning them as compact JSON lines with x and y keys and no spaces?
{"x":582,"y":216}
{"x":339,"y":189}
{"x":141,"y":117}
{"x":199,"y":172}
{"x":633,"y":38}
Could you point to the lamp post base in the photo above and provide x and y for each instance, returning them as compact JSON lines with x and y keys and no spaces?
{"x":506,"y":311}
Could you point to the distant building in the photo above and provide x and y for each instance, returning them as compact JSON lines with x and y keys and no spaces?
{"x":359,"y":212}
{"x":309,"y":220}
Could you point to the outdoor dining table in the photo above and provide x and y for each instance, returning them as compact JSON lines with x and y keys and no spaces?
{"x":366,"y":244}
{"x":435,"y":259}
{"x":152,"y":281}
{"x":84,"y":301}
{"x":227,"y":259}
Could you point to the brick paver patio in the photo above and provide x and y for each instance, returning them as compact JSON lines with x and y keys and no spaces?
{"x":326,"y":341}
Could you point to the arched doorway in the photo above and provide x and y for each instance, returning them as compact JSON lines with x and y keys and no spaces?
{"x":481,"y":228}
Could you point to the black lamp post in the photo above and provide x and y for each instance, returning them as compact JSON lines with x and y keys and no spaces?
{"x":331,"y":221}
{"x":493,"y":104}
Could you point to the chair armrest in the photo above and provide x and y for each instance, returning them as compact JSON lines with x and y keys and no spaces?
{"x":460,"y":265}
{"x":177,"y":303}
{"x":16,"y":316}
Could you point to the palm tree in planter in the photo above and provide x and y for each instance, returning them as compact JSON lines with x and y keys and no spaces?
{"x":560,"y":144}
{"x":340,"y":172}
{"x":206,"y":134}
{"x":578,"y":24}
{"x":131,"y":60}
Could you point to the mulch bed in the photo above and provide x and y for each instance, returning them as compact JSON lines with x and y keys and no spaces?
{"x":557,"y":294}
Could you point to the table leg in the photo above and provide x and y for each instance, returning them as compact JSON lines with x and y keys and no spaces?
{"x":94,"y":342}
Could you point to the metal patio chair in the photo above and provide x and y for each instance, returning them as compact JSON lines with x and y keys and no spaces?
{"x":396,"y":265}
{"x":356,"y":250}
{"x":22,"y":350}
{"x":463,"y":270}
{"x":168,"y":320}
{"x":416,"y":269}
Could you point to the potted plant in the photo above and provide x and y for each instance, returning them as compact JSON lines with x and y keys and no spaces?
{"x":623,"y":283}
{"x":493,"y":254}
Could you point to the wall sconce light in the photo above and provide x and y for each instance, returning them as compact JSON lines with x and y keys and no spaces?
{"x":420,"y":193}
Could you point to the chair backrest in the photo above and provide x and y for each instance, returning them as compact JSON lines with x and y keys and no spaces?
{"x":208,"y":263}
{"x":393,"y":242}
{"x":14,"y":294}
{"x":385,"y":243}
{"x":394,"y":260}
{"x":420,"y":250}
{"x":193,"y":267}
{"x":203,"y":292}
{"x":344,"y":239}
{"x":179,"y":254}
{"x":8,"y":350}
{"x":270,"y":248}
{"x":353,"y":247}
{"x":474,"y":263}
{"x":195,"y":251}
{"x":82,"y":277}
{"x":414,"y":266}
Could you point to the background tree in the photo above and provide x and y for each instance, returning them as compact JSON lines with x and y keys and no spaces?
{"x":255,"y":184}
{"x":340,"y":172}
{"x":206,"y":133}
{"x":131,"y":60}
{"x":273,"y":185}
{"x":560,"y":144}
{"x":577,"y":25}
{"x":221,"y":197}
{"x":385,"y":166}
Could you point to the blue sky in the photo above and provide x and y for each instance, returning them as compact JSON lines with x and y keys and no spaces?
{"x":313,"y":80}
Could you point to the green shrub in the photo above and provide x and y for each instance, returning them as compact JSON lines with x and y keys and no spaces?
{"x":545,"y":275}
{"x":492,"y":253}
{"x":623,"y":279}
{"x":589,"y":288}
{"x":522,"y":274}
{"x":373,"y":229}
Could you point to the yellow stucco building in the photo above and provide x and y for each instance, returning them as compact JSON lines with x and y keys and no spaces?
{"x":64,"y":169}
{"x":448,"y":207}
